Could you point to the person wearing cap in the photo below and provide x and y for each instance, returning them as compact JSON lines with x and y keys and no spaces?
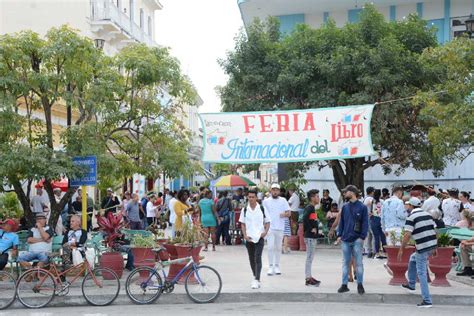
{"x":352,"y":231}
{"x":451,"y":208}
{"x":393,"y":216}
{"x":39,"y":244}
{"x":110,"y":202}
{"x":420,"y":227}
{"x":8,"y":240}
{"x":277,"y":209}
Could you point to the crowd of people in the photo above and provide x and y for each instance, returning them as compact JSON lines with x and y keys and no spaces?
{"x":362,"y":223}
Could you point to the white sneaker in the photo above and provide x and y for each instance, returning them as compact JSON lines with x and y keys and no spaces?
{"x":271,"y":271}
{"x":255,"y":285}
{"x":277,"y":270}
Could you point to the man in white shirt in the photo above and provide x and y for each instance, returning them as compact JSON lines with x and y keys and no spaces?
{"x":277,"y":208}
{"x":172,"y":202}
{"x":255,"y":226}
{"x":294,"y":200}
{"x":39,"y":244}
{"x":369,"y":202}
{"x":393,"y":216}
{"x":451,"y":208}
{"x":431,"y":203}
{"x":151,"y":210}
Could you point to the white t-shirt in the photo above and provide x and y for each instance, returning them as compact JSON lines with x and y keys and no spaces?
{"x":150,"y":209}
{"x":171,"y":204}
{"x":431,"y":203}
{"x":273,"y":209}
{"x":369,"y":201}
{"x":254,"y":222}
{"x":294,"y":202}
{"x":451,"y":213}
{"x":41,"y":246}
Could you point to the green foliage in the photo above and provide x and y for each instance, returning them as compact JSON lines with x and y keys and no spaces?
{"x":366,"y":62}
{"x":119,"y":112}
{"x":444,"y":240}
{"x":140,"y":241}
{"x":9,"y":206}
{"x":190,"y":235}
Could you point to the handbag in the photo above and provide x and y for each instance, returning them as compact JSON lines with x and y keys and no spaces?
{"x":77,"y":257}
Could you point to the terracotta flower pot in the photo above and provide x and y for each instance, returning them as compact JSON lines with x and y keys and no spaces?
{"x":183,"y":251}
{"x":441,"y":265}
{"x":301,"y":237}
{"x":293,"y":242}
{"x":164,"y":254}
{"x":114,"y":261}
{"x":143,"y":257}
{"x":171,"y":248}
{"x":399,"y":268}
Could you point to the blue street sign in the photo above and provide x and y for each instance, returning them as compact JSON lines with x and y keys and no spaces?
{"x":90,"y":177}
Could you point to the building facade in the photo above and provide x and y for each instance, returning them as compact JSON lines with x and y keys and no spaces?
{"x":112,"y":24}
{"x":447,"y":16}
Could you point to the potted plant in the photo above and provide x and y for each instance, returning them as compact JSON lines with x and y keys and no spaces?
{"x":188,"y":242}
{"x":398,"y":268}
{"x":110,"y":226}
{"x":440,"y":264}
{"x":142,"y":253}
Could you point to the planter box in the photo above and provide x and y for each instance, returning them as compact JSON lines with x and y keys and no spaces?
{"x":441,"y":265}
{"x":399,"y":268}
{"x":182,"y":251}
{"x":294,"y":242}
{"x":114,"y":261}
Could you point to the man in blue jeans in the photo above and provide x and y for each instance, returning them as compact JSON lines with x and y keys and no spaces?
{"x":421,"y":227}
{"x":352,"y":230}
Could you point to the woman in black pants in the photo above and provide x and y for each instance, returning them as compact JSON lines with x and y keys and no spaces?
{"x":255,"y":226}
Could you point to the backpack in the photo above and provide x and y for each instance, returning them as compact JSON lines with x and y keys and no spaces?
{"x":261,"y":208}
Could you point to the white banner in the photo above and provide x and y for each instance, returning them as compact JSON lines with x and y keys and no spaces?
{"x":287,"y":136}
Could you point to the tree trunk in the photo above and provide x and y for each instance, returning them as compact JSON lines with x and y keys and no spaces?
{"x":353,"y":173}
{"x":49,"y":123}
{"x":24,"y":201}
{"x":56,"y":208}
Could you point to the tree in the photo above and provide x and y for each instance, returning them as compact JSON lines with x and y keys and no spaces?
{"x":120,"y":115}
{"x":366,"y":62}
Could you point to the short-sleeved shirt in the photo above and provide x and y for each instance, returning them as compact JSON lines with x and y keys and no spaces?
{"x":254,"y":222}
{"x":41,"y":246}
{"x":38,"y":202}
{"x":422,"y":228}
{"x":294,"y":202}
{"x":273,"y":209}
{"x":8,"y":241}
{"x":133,"y":211}
{"x":451,"y":214}
{"x":207,"y":217}
{"x":180,"y":210}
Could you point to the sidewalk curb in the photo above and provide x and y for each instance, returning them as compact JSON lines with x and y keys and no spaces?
{"x":257,"y":297}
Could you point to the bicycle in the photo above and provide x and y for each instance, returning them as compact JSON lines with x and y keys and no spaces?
{"x":144,"y":285}
{"x":37,"y":287}
{"x":7,"y":289}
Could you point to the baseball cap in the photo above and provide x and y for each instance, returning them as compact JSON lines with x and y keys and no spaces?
{"x":351,"y":188}
{"x":413,"y":201}
{"x":275,"y":186}
{"x":110,"y":190}
{"x":10,"y":222}
{"x":40,"y":215}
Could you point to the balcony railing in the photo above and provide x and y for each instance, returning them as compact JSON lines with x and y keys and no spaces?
{"x":105,"y":10}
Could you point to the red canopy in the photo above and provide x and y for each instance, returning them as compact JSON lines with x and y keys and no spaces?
{"x":62,"y":184}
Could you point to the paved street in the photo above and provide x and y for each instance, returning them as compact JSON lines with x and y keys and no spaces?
{"x":320,"y":309}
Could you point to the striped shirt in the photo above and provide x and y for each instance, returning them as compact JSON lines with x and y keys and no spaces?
{"x":421,"y":226}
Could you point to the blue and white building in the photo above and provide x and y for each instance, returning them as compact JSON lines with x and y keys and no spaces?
{"x":448,"y":16}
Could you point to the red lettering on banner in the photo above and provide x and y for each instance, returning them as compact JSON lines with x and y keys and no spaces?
{"x":309,"y":122}
{"x":247,"y":124}
{"x":346,"y":131}
{"x":283,"y":123}
{"x":295,"y":122}
{"x":266,"y":128}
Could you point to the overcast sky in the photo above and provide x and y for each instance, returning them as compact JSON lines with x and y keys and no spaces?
{"x":199,"y":32}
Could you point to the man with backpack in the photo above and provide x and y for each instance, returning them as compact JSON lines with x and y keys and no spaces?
{"x":255,"y":226}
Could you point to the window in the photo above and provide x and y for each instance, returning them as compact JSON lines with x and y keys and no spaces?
{"x":142,"y":19}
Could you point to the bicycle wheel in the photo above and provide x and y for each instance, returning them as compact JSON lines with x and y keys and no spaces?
{"x":144,"y":285}
{"x":7,"y":289}
{"x":203,"y":285}
{"x":100,"y":287}
{"x":35,"y":288}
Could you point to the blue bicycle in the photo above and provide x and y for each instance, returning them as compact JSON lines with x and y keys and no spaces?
{"x":203,"y":284}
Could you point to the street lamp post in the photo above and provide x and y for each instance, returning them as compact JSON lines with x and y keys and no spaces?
{"x":470,"y":26}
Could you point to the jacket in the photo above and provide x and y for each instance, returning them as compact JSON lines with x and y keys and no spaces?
{"x":354,"y":223}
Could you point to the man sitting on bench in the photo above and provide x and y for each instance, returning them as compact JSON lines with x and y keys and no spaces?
{"x":467,"y":248}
